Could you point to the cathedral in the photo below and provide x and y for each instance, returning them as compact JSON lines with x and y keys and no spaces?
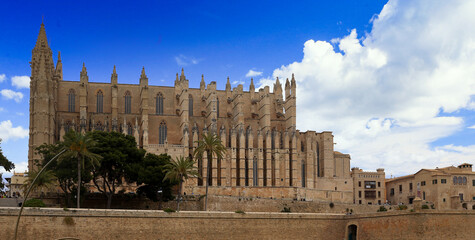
{"x":266,"y":155}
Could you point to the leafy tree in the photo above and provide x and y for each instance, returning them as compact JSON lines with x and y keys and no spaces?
{"x":77,"y":147}
{"x":65,"y":170}
{"x":44,"y":182}
{"x":212,"y":145}
{"x":5,"y":164}
{"x":149,"y":173}
{"x":179,"y":170}
{"x":119,"y":152}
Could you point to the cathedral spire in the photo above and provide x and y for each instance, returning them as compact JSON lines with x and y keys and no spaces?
{"x":143,"y":77}
{"x":114,"y":76}
{"x":202,"y":83}
{"x":228,"y":85}
{"x":182,"y":76}
{"x":42,"y":41}
{"x":84,"y":77}
{"x":252,"y":88}
{"x":59,"y":67}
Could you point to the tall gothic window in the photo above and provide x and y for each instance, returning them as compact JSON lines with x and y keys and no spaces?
{"x":71,"y":100}
{"x":304,"y":177}
{"x":159,"y":104}
{"x":162,"y":133}
{"x":254,"y":172}
{"x":217,"y":107}
{"x":67,"y":126}
{"x":130,"y":129}
{"x":190,"y":105}
{"x":273,"y":139}
{"x":128,"y":102}
{"x":99,"y":100}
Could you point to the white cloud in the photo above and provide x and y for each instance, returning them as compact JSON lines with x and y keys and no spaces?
{"x":7,"y":131}
{"x":10,"y":94}
{"x":2,"y":109}
{"x":2,"y":78}
{"x":253,"y":73}
{"x":382,"y":95}
{"x":21,"y":82}
{"x":183,"y":60}
{"x":237,"y":82}
{"x":472,"y":127}
{"x":19,"y":168}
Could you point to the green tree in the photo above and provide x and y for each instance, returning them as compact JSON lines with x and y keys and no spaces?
{"x":149,"y":174}
{"x":77,"y":147}
{"x":44,"y":182}
{"x":212,"y":145}
{"x":5,"y":164}
{"x":119,"y":152}
{"x":179,"y":170}
{"x":65,"y":170}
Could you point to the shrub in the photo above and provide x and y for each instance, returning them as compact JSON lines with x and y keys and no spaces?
{"x":402,"y":207}
{"x":425,"y":206}
{"x":332,"y":205}
{"x":382,"y":209}
{"x":34,"y":203}
{"x":169,"y":210}
{"x":286,"y":209}
{"x":239,"y":211}
{"x":68,"y":221}
{"x":412,"y":210}
{"x":432,"y":206}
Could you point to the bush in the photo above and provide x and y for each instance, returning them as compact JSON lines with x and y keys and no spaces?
{"x":239,"y":211}
{"x":34,"y":203}
{"x":286,"y":209}
{"x":332,"y":205}
{"x":169,"y":210}
{"x":425,"y":206}
{"x":68,"y":221}
{"x":382,"y":209}
{"x":402,"y":207}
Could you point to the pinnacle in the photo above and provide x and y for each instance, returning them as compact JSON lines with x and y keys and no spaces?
{"x":42,"y":41}
{"x":114,"y":71}
{"x":143,"y":72}
{"x":59,"y":56}
{"x":182,"y":72}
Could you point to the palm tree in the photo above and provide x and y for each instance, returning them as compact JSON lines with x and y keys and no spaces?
{"x":179,"y":170}
{"x":76,"y":146}
{"x":212,"y":145}
{"x":45,"y":181}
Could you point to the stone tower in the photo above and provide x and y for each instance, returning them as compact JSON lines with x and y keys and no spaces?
{"x":43,"y":86}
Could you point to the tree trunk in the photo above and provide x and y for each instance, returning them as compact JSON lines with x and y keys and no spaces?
{"x":179,"y":195}
{"x":109,"y":201}
{"x":208,"y":176}
{"x":79,"y":182}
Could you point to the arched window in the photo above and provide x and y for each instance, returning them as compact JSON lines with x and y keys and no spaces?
{"x":464,"y":181}
{"x":128,"y":102}
{"x":254,"y":172}
{"x":159,"y":104}
{"x":71,"y":100}
{"x":217,"y":107}
{"x":273,"y":139}
{"x":455,"y":180}
{"x":190,"y":105}
{"x":99,"y":127}
{"x":460,"y":180}
{"x":162,"y":133}
{"x":302,"y":146}
{"x":304,"y":177}
{"x":99,"y":100}
{"x":130,"y":129}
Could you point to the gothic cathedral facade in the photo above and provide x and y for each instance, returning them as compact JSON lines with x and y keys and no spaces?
{"x":266,"y":155}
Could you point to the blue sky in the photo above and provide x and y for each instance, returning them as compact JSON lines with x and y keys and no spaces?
{"x":351,"y":60}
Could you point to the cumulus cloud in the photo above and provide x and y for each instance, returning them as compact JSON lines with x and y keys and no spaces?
{"x":21,"y":82}
{"x":383,"y":94}
{"x":2,"y":77}
{"x":183,"y":60}
{"x":472,"y":127}
{"x":7,"y":131}
{"x":10,"y":94}
{"x":253,"y":73}
{"x":237,"y":82}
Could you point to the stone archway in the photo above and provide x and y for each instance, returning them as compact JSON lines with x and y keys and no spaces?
{"x":352,"y":232}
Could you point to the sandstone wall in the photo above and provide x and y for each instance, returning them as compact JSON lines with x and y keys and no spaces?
{"x":137,"y":224}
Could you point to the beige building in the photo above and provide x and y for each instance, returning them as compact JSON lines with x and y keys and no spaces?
{"x":15,"y":184}
{"x":267,"y":156}
{"x":368,"y":187}
{"x":446,"y":188}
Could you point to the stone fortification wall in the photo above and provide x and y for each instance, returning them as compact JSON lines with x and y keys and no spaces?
{"x":137,"y":224}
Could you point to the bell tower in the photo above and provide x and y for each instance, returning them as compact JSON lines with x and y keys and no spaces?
{"x":43,"y":84}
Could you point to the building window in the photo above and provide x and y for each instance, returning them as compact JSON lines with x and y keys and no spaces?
{"x":99,"y":127}
{"x":370,"y":184}
{"x":162,"y":133}
{"x":434,"y":181}
{"x":369,"y":194}
{"x":272,"y":136}
{"x":254,"y":172}
{"x":459,"y":180}
{"x":391,"y":192}
{"x":464,"y":180}
{"x":71,"y":100}
{"x":99,"y":102}
{"x":423,"y":195}
{"x":128,"y":102}
{"x":410,"y":187}
{"x":159,"y":104}
{"x":379,"y":194}
{"x":443,"y":181}
{"x":461,"y":196}
{"x":455,"y":180}
{"x":443,"y":199}
{"x":303,"y":175}
{"x":400,"y":188}
{"x":473,"y":182}
{"x":379,"y":184}
{"x":190,"y":105}
{"x":359,"y":194}
{"x":359,"y":201}
{"x":423,"y":183}
{"x":359,"y":183}
{"x":68,"y":125}
{"x":130,"y":129}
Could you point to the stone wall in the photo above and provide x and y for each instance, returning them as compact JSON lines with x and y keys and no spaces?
{"x":139,"y":224}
